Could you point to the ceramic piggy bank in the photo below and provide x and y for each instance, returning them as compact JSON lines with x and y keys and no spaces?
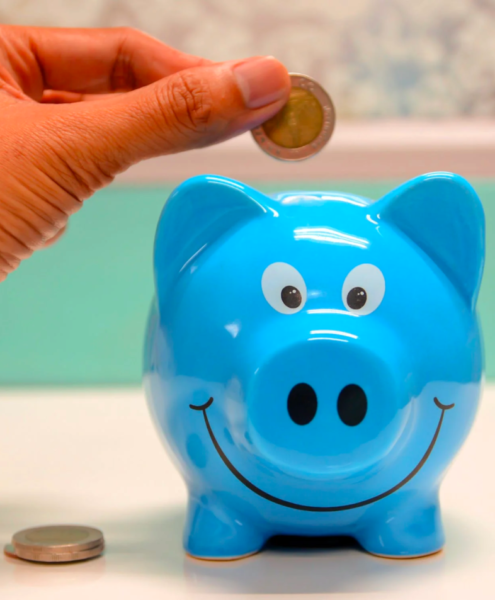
{"x":313,"y":359}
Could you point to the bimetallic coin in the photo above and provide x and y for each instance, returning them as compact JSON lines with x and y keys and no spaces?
{"x":303,"y":126}
{"x":58,"y":543}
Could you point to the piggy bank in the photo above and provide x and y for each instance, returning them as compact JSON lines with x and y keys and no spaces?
{"x":313,"y":360}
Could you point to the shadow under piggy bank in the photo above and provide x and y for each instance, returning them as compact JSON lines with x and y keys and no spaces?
{"x":298,"y":565}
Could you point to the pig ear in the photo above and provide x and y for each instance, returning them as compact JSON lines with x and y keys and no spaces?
{"x":199,"y":212}
{"x":442,"y":214}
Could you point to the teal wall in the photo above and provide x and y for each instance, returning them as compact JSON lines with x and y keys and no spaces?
{"x":75,"y":313}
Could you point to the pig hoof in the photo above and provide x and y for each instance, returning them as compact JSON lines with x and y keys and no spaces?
{"x":213,"y":532}
{"x":406,"y":533}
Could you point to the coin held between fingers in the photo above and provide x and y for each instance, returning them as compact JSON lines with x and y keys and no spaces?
{"x":303,"y":126}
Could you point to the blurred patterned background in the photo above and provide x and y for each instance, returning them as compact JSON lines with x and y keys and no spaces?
{"x":77,"y":311}
{"x":378,"y":58}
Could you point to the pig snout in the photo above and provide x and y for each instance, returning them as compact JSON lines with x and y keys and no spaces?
{"x":328,"y":403}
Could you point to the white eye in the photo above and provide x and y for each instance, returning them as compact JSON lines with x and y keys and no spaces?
{"x":363,"y":289}
{"x":284,"y":288}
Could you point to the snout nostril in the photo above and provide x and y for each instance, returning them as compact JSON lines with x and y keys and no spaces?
{"x":302,"y":404}
{"x":352,"y":405}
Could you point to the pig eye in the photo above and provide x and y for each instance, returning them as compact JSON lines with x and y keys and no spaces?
{"x":363,"y":289}
{"x":284,"y":288}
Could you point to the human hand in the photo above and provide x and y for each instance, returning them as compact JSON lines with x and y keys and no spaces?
{"x":78,"y":106}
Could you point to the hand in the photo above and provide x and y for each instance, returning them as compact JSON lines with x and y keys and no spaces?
{"x":79,"y":106}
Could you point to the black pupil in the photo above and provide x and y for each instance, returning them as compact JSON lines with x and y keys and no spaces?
{"x":291,"y":296}
{"x":356,"y":298}
{"x":302,"y":404}
{"x":352,"y":405}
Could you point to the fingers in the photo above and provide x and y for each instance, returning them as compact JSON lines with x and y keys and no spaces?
{"x":61,"y":97}
{"x":55,"y":238}
{"x":88,"y":60}
{"x":193,"y":108}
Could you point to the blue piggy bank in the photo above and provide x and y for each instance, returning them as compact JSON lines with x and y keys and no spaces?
{"x":314,"y":361}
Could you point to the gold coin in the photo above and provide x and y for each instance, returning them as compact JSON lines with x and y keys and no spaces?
{"x":298,"y":123}
{"x":303,"y":126}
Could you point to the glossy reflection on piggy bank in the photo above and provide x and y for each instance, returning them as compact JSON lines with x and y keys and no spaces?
{"x":314,"y":361}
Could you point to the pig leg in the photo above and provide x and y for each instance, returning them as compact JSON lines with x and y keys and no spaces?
{"x":405,"y":529}
{"x":216,"y":532}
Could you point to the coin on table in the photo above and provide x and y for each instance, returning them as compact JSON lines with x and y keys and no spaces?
{"x":303,"y":126}
{"x":57,"y":543}
{"x":9,"y":551}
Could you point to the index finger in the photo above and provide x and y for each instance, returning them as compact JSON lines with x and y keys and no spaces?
{"x":90,"y":60}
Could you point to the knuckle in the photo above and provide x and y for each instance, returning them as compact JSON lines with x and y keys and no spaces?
{"x":188,"y":98}
{"x":8,"y":263}
{"x":122,"y":75}
{"x":124,"y":31}
{"x":17,"y":242}
{"x":129,"y":37}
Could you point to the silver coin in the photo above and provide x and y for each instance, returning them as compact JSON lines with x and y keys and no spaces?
{"x":303,"y":126}
{"x":55,"y":540}
{"x":9,"y":551}
{"x":46,"y":556}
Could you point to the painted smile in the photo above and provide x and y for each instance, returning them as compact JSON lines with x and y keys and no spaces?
{"x":204,"y":407}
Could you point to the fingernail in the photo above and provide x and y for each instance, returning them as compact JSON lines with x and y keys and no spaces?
{"x":261,"y":81}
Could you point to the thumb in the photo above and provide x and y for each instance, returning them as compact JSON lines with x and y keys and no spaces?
{"x":190,"y":109}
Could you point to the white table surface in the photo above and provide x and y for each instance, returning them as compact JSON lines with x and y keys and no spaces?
{"x":93,"y":457}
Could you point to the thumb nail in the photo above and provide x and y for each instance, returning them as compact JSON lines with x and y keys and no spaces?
{"x":262,"y":81}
